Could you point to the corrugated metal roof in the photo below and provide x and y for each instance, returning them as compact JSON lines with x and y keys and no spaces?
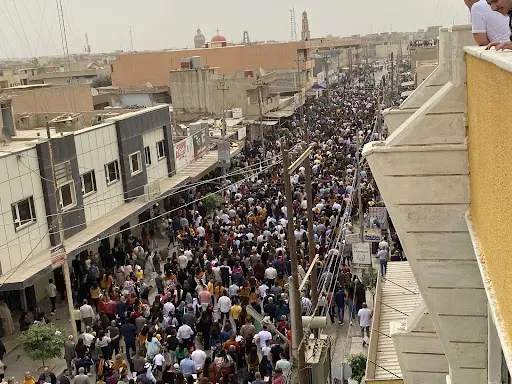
{"x":396,"y":301}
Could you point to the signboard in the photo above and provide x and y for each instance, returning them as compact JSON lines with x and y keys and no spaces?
{"x":361,"y":253}
{"x":379,"y":215}
{"x":351,"y":238}
{"x":58,"y":256}
{"x":237,"y":113}
{"x":200,"y":143}
{"x":242,"y":133}
{"x":372,"y":234}
{"x":224,"y":154}
{"x":184,"y":152}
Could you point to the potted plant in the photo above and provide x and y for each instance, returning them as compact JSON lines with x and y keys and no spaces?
{"x":358,"y":364}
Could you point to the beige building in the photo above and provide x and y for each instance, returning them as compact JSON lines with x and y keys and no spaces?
{"x":84,"y":76}
{"x":443,"y":173}
{"x":203,"y":92}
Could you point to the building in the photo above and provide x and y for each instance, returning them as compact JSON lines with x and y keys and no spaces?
{"x":199,"y":39}
{"x":423,"y":70}
{"x":84,"y":76}
{"x":419,"y":54}
{"x":133,"y":97}
{"x":9,"y":78}
{"x":203,"y":92}
{"x":109,"y":175}
{"x":442,"y":174}
{"x":137,"y":69}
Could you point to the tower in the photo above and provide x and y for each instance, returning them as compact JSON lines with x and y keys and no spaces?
{"x":87,"y":46}
{"x":199,"y":39}
{"x":246,"y":39}
{"x":293,"y":25}
{"x":305,"y":27}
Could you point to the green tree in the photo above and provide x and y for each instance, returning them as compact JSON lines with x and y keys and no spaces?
{"x":101,"y":81}
{"x":358,"y":365}
{"x":43,"y":342}
{"x":369,"y":278}
{"x":212,"y":201}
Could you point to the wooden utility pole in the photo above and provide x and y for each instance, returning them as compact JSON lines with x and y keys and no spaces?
{"x":65,"y":266}
{"x":298,"y":355}
{"x":260,"y":84}
{"x":222,"y":87}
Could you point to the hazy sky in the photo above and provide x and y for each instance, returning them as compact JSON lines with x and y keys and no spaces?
{"x":30,"y":27}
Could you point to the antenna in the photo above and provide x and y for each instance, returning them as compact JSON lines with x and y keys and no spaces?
{"x":131,"y":39}
{"x":293,"y":24}
{"x":246,"y":39}
{"x":64,"y":39}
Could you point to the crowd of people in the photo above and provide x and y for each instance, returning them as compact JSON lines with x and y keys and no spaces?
{"x":180,"y":311}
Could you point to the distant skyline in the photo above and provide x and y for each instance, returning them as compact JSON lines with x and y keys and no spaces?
{"x":30,"y":28}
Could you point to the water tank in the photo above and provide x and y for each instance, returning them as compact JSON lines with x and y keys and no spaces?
{"x":248,"y":73}
{"x":195,"y":62}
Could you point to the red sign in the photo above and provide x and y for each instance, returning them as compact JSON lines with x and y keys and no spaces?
{"x":181,"y":149}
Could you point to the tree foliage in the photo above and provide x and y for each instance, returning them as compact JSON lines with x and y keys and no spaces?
{"x":43,"y":341}
{"x":101,"y":81}
{"x":369,"y":278}
{"x":212,"y":201}
{"x":358,"y":365}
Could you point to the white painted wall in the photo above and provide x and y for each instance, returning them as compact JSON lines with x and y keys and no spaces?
{"x":158,"y":168}
{"x":17,"y":182}
{"x":141,"y":99}
{"x":95,"y":147}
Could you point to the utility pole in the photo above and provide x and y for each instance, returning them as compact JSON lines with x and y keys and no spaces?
{"x":392,"y":81}
{"x":349,"y":65}
{"x":65,"y":266}
{"x":298,"y":355}
{"x":358,"y":183}
{"x":260,"y":83}
{"x":299,"y":85}
{"x":311,"y":234}
{"x":222,"y":87}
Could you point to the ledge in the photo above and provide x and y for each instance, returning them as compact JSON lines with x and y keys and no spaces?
{"x":380,"y":146}
{"x":502,"y":59}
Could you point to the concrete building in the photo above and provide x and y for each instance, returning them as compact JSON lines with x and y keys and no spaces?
{"x":137,"y":69}
{"x":442,"y":173}
{"x":199,"y":92}
{"x":84,"y":76}
{"x":9,"y":78}
{"x":134,"y":96}
{"x":47,"y":98}
{"x":423,"y":70}
{"x":109,"y":175}
{"x":419,"y":54}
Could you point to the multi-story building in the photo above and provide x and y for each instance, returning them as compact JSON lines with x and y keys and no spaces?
{"x":444,"y":175}
{"x":107,"y":176}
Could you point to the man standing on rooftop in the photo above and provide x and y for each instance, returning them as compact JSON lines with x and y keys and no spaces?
{"x":487,"y":26}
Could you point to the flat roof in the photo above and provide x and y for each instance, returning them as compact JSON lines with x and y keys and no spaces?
{"x":30,"y":86}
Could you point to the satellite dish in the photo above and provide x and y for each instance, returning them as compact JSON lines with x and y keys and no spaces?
{"x":94,"y":92}
{"x":149,"y":85}
{"x":7,"y":136}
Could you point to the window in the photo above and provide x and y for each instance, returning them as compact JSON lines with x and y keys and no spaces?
{"x":135,"y":163}
{"x":23,"y":213}
{"x":112,"y":172}
{"x":160,"y":150}
{"x":67,"y":197}
{"x":88,"y":183}
{"x":147,"y":155}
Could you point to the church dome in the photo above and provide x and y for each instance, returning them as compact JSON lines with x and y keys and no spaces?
{"x":218,"y":39}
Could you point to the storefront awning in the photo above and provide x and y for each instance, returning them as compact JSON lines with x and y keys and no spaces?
{"x":278,"y":114}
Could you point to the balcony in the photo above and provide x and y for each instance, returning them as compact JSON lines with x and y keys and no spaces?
{"x":423,"y":173}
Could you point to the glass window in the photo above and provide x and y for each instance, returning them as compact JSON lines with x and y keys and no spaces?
{"x":112,"y":172}
{"x":160,"y":149}
{"x":147,"y":155}
{"x":67,"y":195}
{"x":23,"y":213}
{"x":88,"y":183}
{"x":135,"y":163}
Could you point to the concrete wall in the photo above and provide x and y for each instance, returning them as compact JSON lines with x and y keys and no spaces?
{"x":52,"y":99}
{"x":382,"y":51}
{"x":158,"y":168}
{"x":142,"y":99}
{"x":19,"y":179}
{"x":422,"y":54}
{"x":489,"y":143}
{"x":138,"y":68}
{"x":96,"y":147}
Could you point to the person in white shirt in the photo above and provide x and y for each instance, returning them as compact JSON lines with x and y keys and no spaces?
{"x":86,"y":314}
{"x":487,"y":26}
{"x":263,"y":336}
{"x":51,"y":290}
{"x":87,"y":336}
{"x":270,"y":275}
{"x":365,"y":321}
{"x":224,"y":307}
{"x":263,"y":290}
{"x":169,"y":308}
{"x":183,"y":261}
{"x":185,"y":334}
{"x":198,"y":357}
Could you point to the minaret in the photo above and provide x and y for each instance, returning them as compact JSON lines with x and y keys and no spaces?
{"x":305,"y":27}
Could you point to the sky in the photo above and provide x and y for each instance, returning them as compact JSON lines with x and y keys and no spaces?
{"x":30,"y":28}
